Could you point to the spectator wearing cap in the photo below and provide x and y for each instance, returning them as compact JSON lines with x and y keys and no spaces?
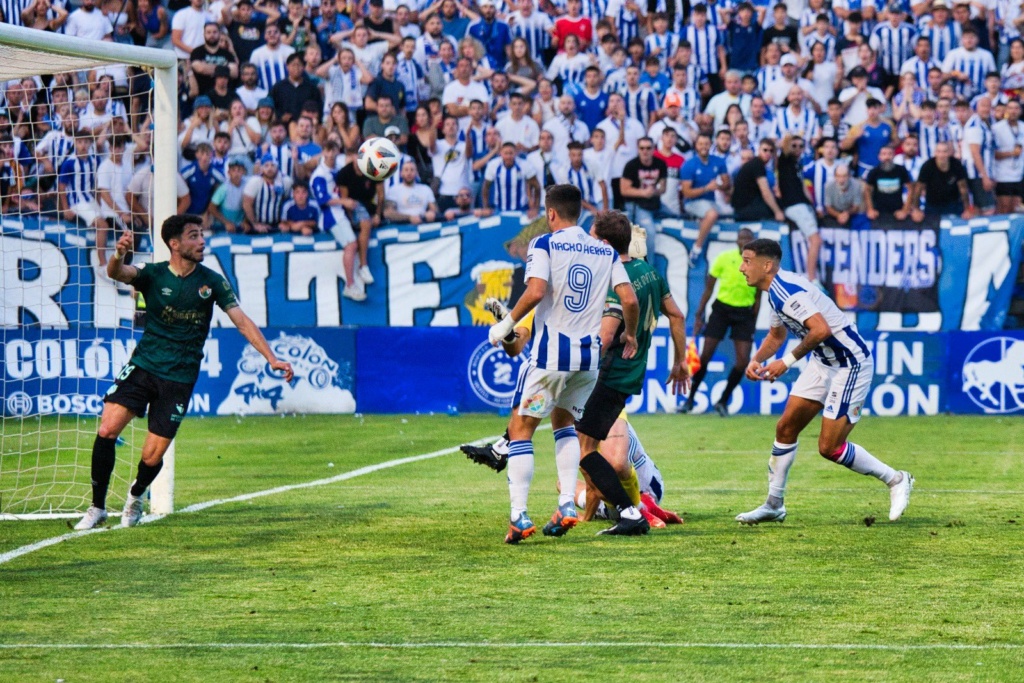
{"x":409,"y":201}
{"x":250,"y":91}
{"x":298,"y":215}
{"x":225,"y":206}
{"x":868,"y":137}
{"x":200,"y":127}
{"x":893,"y":40}
{"x":187,"y":27}
{"x":943,"y":35}
{"x":246,"y":27}
{"x":271,"y":58}
{"x":854,"y":98}
{"x":212,"y":53}
{"x":202,"y":180}
{"x":221,"y":95}
{"x":386,"y":117}
{"x":264,"y":196}
{"x":672,"y":116}
{"x":845,"y":196}
{"x":291,"y":93}
{"x":77,"y":181}
{"x":781,"y":32}
{"x":743,"y":38}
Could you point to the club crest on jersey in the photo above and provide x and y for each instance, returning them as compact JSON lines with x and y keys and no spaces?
{"x":205,"y":292}
{"x":166,"y":291}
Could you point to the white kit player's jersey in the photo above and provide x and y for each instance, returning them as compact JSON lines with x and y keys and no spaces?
{"x":794,"y":299}
{"x":579,"y":270}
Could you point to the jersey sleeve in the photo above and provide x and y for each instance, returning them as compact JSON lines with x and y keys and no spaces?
{"x":143,"y":278}
{"x":800,"y":306}
{"x":717,"y":266}
{"x":223,"y":294}
{"x":619,"y":275}
{"x":612,"y":305}
{"x":538,"y":259}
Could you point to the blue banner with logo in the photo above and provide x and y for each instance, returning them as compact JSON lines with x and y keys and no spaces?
{"x":959,"y":277}
{"x":986,"y":373}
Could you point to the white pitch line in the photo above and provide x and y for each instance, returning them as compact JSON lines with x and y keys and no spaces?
{"x":513,"y":645}
{"x":369,"y":469}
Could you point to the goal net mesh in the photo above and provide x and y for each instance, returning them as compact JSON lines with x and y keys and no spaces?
{"x":75,"y":174}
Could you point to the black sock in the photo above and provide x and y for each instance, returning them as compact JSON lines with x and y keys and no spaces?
{"x":604,"y":478}
{"x":735,"y":377}
{"x":103,"y":456}
{"x":695,"y":382}
{"x":145,"y":477}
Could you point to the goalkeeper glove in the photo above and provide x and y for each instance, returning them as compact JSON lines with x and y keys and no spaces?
{"x":500,"y":312}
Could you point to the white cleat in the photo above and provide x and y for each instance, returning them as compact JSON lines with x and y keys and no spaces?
{"x":496,"y":308}
{"x":365,"y":275}
{"x":762,"y":514}
{"x":353,"y":292}
{"x":94,"y":517}
{"x":899,"y":496}
{"x":132,"y":512}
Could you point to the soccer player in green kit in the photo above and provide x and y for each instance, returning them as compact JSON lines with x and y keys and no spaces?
{"x":619,"y":378}
{"x":180,"y":295}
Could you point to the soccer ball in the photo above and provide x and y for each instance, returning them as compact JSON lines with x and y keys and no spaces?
{"x":378,"y":159}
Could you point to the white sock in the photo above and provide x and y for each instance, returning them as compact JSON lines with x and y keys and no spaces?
{"x":567,"y":460}
{"x":581,"y":499}
{"x":520,"y":474}
{"x":630,"y":513}
{"x":783,"y":455}
{"x":500,"y":446}
{"x":860,"y":461}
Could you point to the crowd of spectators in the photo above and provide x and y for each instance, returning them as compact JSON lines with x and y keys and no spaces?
{"x":804,"y":111}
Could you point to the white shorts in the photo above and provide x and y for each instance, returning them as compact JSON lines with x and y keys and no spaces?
{"x":541,"y":391}
{"x":698,"y":208}
{"x":843,"y":391}
{"x":88,"y":212}
{"x":804,"y":217}
{"x":341,"y":231}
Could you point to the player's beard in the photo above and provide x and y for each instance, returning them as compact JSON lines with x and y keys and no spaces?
{"x":195,"y":256}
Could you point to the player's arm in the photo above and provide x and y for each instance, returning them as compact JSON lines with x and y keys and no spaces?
{"x":769,"y":347}
{"x":514,"y":348}
{"x":679,"y":377}
{"x":817,"y":332}
{"x":253,"y":335}
{"x":705,"y":297}
{"x":536,"y":287}
{"x":116,"y":268}
{"x":630,"y":316}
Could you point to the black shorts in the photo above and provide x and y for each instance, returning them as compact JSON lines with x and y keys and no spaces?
{"x":983,"y":199}
{"x":740,"y":321}
{"x":602,"y":410}
{"x":1008,"y":189}
{"x":136,"y":389}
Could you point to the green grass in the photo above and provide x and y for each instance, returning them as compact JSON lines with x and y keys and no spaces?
{"x":413,"y":554}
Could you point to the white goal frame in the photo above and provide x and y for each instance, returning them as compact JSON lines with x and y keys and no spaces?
{"x":78,"y":54}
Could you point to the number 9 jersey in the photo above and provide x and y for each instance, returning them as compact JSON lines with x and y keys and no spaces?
{"x":579,"y":270}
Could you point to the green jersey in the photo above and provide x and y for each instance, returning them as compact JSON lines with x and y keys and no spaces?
{"x":623,"y":375}
{"x":178,"y":315}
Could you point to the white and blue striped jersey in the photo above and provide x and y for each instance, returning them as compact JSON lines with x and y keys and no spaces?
{"x":57,"y":146}
{"x":270,"y":64}
{"x":579,"y":271}
{"x":77,"y":176}
{"x":410,"y":74}
{"x":793,"y":300}
{"x":477,"y":138}
{"x":978,"y":132}
{"x":912,"y":164}
{"x":640,"y":104}
{"x":928,"y":137}
{"x":920,"y":69}
{"x":803,"y":124}
{"x":627,"y":22}
{"x":534,"y":30}
{"x":767,"y":75}
{"x":828,"y":40}
{"x":666,"y":45}
{"x":975,"y":63}
{"x":283,"y":156}
{"x":509,"y":184}
{"x":809,"y":18}
{"x":12,"y":10}
{"x":760,"y":131}
{"x":587,"y":182}
{"x":820,"y":174}
{"x":570,"y":69}
{"x":268,"y":198}
{"x":894,"y":44}
{"x":323,"y":189}
{"x":705,"y":42}
{"x":943,"y":38}
{"x":695,"y":75}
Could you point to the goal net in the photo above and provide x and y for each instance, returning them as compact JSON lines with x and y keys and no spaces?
{"x":88,"y":130}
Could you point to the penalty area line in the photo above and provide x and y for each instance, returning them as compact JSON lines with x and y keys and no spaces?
{"x":196,"y":507}
{"x":515,"y":645}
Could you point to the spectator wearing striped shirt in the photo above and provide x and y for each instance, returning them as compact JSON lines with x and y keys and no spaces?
{"x":978,"y":154}
{"x":942,"y":34}
{"x":271,"y":58}
{"x":968,"y":65}
{"x":77,"y":181}
{"x":661,"y":43}
{"x":514,"y":184}
{"x":921,"y":63}
{"x":590,"y":182}
{"x":56,"y":146}
{"x":641,"y":103}
{"x":893,"y":40}
{"x":708,"y":46}
{"x":532,"y":26}
{"x":822,"y":172}
{"x":625,"y":16}
{"x":264,"y":196}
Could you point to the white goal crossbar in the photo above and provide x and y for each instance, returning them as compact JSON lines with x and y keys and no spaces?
{"x":29,"y":52}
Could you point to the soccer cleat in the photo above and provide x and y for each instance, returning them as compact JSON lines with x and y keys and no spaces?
{"x":627,"y":527}
{"x":365,"y":275}
{"x":132,"y":512}
{"x":653,"y":520}
{"x":94,"y":517}
{"x":686,"y":408}
{"x":762,"y":514}
{"x":565,"y":518}
{"x":496,"y":308}
{"x":899,"y":496}
{"x":664,"y":515}
{"x":485,"y":455}
{"x":722,"y":409}
{"x":520,"y":529}
{"x":354,"y":293}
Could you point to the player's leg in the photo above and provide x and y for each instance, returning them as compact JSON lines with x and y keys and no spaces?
{"x":850,"y":387}
{"x":567,"y":463}
{"x":711,"y":341}
{"x":520,"y":474}
{"x":365,"y":228}
{"x":707,"y":222}
{"x":739,"y":368}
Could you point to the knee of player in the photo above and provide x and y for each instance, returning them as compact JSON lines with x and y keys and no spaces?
{"x":785,"y":432}
{"x":830,"y":450}
{"x":106,"y":432}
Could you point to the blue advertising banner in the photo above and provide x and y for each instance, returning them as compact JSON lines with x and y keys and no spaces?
{"x":959,"y":277}
{"x":986,"y":373}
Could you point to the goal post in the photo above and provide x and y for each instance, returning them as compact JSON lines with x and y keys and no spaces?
{"x":31,"y":53}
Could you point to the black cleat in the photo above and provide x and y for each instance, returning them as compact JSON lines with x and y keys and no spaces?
{"x":485,"y":455}
{"x":722,"y":409}
{"x":627,"y":527}
{"x":686,"y":408}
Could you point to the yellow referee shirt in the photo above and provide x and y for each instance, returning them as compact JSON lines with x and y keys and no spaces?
{"x":733,"y":289}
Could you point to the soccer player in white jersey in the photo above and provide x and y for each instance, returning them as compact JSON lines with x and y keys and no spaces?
{"x":568,"y":273}
{"x":836,"y":378}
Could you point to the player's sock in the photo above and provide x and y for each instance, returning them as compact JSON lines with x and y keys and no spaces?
{"x":103,"y":457}
{"x":602,"y":474}
{"x":783,"y":455}
{"x":520,"y":474}
{"x":695,"y":383}
{"x":500,"y":446}
{"x":145,"y":477}
{"x":567,"y":461}
{"x":735,"y":377}
{"x":859,"y":460}
{"x":632,"y":486}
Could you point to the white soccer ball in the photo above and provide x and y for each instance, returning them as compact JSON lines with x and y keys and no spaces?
{"x":378,"y":159}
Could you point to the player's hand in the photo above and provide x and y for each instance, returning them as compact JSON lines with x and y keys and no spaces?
{"x":679,"y":378}
{"x":501,"y":329}
{"x":774,"y":370}
{"x":754,"y":370}
{"x":125,"y":244}
{"x":698,"y":325}
{"x":988,"y":184}
{"x":628,"y":345}
{"x":283,"y":367}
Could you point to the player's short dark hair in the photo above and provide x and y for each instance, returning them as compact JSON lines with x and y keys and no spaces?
{"x":765,"y":247}
{"x":565,"y":200}
{"x":174,"y":226}
{"x":614,"y":228}
{"x":294,"y":57}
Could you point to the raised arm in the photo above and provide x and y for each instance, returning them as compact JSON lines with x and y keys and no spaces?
{"x":253,"y":335}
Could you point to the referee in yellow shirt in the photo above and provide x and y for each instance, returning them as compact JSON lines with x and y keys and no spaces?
{"x":735,"y":309}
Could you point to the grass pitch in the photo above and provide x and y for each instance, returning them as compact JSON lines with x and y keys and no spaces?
{"x":293,"y":586}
